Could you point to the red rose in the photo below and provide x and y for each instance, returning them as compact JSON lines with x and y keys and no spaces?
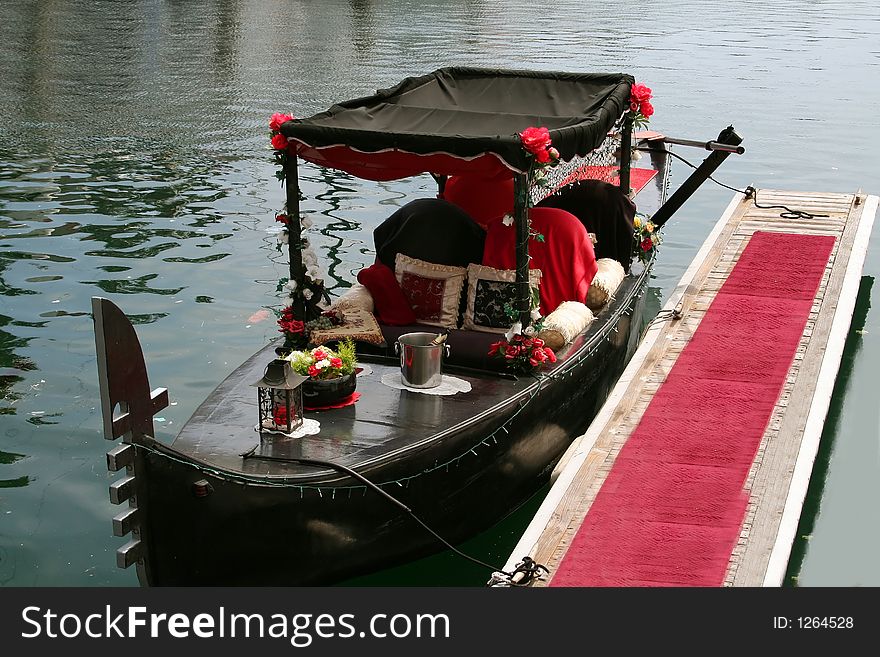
{"x":647,"y":244}
{"x":517,"y":338}
{"x":647,"y":109}
{"x":534,"y":362}
{"x":634,"y":106}
{"x":535,"y":140}
{"x":277,"y":119}
{"x":290,"y":325}
{"x":279,"y":142}
{"x":336,"y":362}
{"x":640,"y":93}
{"x":539,"y":355}
{"x":511,"y":352}
{"x":550,"y":355}
{"x":538,"y":342}
{"x":283,"y":218}
{"x":543,"y":156}
{"x":496,"y":347}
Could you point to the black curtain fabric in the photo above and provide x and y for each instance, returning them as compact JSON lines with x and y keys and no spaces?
{"x":430,"y":229}
{"x":605,"y":211}
{"x":470,"y":111}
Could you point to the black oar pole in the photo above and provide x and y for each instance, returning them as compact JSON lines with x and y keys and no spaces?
{"x":708,"y":145}
{"x":729,"y":137}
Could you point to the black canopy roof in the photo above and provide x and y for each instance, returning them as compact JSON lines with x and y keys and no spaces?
{"x":456,"y":120}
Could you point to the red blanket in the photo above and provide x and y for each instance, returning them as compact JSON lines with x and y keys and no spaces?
{"x":565,"y":256}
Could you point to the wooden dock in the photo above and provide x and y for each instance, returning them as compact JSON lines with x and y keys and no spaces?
{"x":777,"y":480}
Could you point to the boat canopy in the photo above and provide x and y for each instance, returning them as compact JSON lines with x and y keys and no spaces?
{"x":461,"y":120}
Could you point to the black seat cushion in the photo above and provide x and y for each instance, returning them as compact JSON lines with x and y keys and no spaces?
{"x":432,"y":230}
{"x":466,"y":348}
{"x":605,"y":211}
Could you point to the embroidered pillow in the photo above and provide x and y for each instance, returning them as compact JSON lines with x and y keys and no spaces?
{"x":359,"y":325}
{"x":357,"y":296}
{"x":392,"y":307}
{"x":433,"y":291}
{"x":491,"y":292}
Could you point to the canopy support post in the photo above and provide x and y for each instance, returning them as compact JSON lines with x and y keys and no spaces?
{"x":294,"y":229}
{"x":441,"y":183}
{"x":626,"y":155}
{"x":521,"y":203}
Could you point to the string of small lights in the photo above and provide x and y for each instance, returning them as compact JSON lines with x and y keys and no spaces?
{"x":606,"y":334}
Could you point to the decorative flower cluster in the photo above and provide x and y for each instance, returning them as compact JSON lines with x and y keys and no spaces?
{"x":522,"y":354}
{"x":640,"y":107}
{"x":646,"y":237}
{"x":537,"y":320}
{"x":323,"y":363}
{"x":297,"y":334}
{"x":311,"y":287}
{"x":313,"y":284}
{"x":279,"y":142}
{"x":537,"y":142}
{"x":294,"y":330}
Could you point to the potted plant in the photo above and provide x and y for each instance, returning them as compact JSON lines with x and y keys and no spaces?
{"x":331,"y":374}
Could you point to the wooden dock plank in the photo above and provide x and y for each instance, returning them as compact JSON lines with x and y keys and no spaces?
{"x":583,"y":470}
{"x":774,"y":478}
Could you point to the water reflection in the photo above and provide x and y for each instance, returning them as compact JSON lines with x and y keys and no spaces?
{"x":12,"y":369}
{"x":830,"y":433}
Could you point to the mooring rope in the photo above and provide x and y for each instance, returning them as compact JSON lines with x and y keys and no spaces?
{"x":530,"y":570}
{"x":748,"y":192}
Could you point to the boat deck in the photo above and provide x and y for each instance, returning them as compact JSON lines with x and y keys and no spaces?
{"x":769,"y":493}
{"x":386,"y":422}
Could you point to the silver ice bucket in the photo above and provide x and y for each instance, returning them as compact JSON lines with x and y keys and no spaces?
{"x":421,"y":362}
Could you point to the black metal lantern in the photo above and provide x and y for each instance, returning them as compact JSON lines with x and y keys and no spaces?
{"x":279,"y":398}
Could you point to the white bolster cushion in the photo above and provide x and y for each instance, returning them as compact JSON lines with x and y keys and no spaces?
{"x":605,"y":283}
{"x":563,"y":324}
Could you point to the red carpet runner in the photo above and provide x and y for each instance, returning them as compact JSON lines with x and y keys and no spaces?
{"x":670,"y":511}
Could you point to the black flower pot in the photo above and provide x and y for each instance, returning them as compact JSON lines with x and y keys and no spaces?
{"x":324,"y":392}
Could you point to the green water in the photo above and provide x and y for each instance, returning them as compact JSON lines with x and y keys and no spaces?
{"x":134,"y":165}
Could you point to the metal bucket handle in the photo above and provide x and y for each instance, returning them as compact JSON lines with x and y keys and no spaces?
{"x":397,"y":348}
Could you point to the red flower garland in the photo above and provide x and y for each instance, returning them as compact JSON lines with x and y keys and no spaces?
{"x":522,"y":354}
{"x":537,"y":142}
{"x":640,"y":104}
{"x":293,"y":329}
{"x":279,"y":142}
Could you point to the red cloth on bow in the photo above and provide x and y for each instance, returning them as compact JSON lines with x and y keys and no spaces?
{"x":565,"y":257}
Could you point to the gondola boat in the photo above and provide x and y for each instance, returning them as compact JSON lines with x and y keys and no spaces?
{"x":224,"y":505}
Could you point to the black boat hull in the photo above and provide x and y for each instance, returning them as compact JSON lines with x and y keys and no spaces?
{"x":200,"y":525}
